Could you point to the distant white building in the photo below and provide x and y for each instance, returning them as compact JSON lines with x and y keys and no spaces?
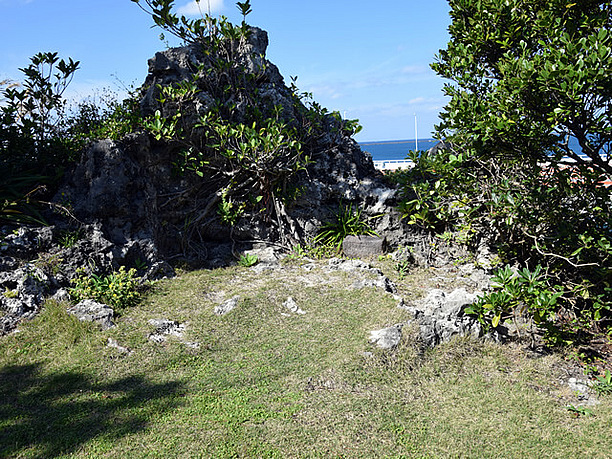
{"x":393,"y":164}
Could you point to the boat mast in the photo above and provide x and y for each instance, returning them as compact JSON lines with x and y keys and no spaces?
{"x":416,"y":134}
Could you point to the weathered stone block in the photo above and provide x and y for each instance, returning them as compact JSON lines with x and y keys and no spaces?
{"x":92,"y":311}
{"x":362,"y":246}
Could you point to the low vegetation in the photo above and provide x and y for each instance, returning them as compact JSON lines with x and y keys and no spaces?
{"x":348,"y":222}
{"x":118,"y":289}
{"x":263,"y":382}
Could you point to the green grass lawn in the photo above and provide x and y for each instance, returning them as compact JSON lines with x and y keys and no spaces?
{"x":265,"y":382}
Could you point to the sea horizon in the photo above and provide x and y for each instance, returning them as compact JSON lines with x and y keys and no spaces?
{"x":393,"y":150}
{"x":389,"y":150}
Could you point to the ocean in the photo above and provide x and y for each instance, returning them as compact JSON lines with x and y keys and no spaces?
{"x":390,"y":150}
{"x":394,"y":149}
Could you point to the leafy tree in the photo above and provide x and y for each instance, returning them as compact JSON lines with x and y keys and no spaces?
{"x":528,"y":75}
{"x":33,"y":147}
{"x":526,"y":78}
{"x":32,"y":112}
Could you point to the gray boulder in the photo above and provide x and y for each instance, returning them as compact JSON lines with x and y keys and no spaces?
{"x":92,"y":311}
{"x":22,"y":293}
{"x":387,"y":338}
{"x":441,"y":316}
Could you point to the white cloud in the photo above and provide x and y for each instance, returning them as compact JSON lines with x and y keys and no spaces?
{"x":330,"y":91}
{"x":418,"y":105}
{"x":416,"y":69}
{"x":195,"y":8}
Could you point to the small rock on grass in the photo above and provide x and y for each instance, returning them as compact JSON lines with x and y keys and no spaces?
{"x":168,"y":327}
{"x":163,"y":328}
{"x":114,"y":344}
{"x":292,"y":306}
{"x":227,"y":306}
{"x":387,"y":338}
{"x":92,"y":311}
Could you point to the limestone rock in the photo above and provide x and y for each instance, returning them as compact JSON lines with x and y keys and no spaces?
{"x":292,"y":306}
{"x":347,"y":265}
{"x":26,"y":241}
{"x":227,"y":306}
{"x":586,"y":396}
{"x":367,"y":275}
{"x":92,"y":311}
{"x":159,"y":270}
{"x":387,"y":338}
{"x":128,"y":187}
{"x":441,"y":316}
{"x":22,"y":293}
{"x":61,"y":295}
{"x":165,"y":327}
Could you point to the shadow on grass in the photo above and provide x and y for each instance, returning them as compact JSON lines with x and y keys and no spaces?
{"x":52,"y":414}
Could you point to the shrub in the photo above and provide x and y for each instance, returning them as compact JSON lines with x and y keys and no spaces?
{"x":523,"y":291}
{"x":526,"y":78}
{"x":30,"y":118}
{"x":118,"y":289}
{"x":102,"y":117}
{"x":348,"y":222}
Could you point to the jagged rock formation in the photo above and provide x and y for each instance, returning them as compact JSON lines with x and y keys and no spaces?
{"x":133,"y":208}
{"x":131,"y":189}
{"x":35,"y":265}
{"x":441,"y":316}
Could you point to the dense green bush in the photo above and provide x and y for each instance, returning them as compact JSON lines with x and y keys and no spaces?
{"x":31,"y":137}
{"x":118,"y":289}
{"x":105,"y":117}
{"x":525,"y":78}
{"x":515,"y":293}
{"x":31,"y":115}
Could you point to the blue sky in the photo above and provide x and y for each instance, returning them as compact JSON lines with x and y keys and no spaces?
{"x":367,"y":59}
